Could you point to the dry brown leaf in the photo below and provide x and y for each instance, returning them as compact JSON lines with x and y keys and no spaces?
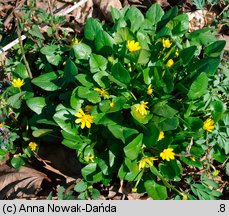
{"x":19,"y":183}
{"x":106,"y":5}
{"x":199,"y":19}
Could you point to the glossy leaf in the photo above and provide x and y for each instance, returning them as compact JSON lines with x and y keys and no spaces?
{"x":198,"y":87}
{"x":48,"y":81}
{"x":133,"y":148}
{"x":154,"y":13}
{"x":155,"y":191}
{"x":36,"y":104}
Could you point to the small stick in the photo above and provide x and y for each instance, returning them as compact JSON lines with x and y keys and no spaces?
{"x":22,"y":49}
{"x":65,"y":12}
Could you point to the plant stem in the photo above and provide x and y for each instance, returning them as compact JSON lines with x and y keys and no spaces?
{"x":22,"y":49}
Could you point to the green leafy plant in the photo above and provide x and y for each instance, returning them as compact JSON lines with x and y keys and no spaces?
{"x":135,"y":100}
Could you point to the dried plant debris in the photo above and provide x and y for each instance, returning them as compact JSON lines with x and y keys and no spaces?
{"x":19,"y":183}
{"x":199,"y":19}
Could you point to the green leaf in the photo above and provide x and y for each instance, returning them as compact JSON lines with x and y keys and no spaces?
{"x":97,"y":63}
{"x":219,"y":154}
{"x":218,"y":109}
{"x":35,"y":31}
{"x":194,"y":123}
{"x":135,"y":17}
{"x":66,"y":120}
{"x":89,"y":94}
{"x":91,"y":174}
{"x":162,"y":109}
{"x":120,"y":73}
{"x":85,"y":79}
{"x":82,"y":51}
{"x":179,"y":24}
{"x":154,"y":13}
{"x":143,"y":57}
{"x":81,"y":186}
{"x":172,"y":170}
{"x":94,"y":194}
{"x":198,"y":87}
{"x":21,"y":71}
{"x":169,"y":124}
{"x":132,"y":150}
{"x":190,"y":162}
{"x":129,"y":170}
{"x":71,"y":140}
{"x":75,"y":101}
{"x":49,"y":50}
{"x":121,"y":132}
{"x":70,"y":70}
{"x":155,"y":191}
{"x":48,"y":81}
{"x":103,"y":39}
{"x":91,"y":28}
{"x":42,"y":132}
{"x":151,"y":134}
{"x":123,"y":35}
{"x":17,"y":162}
{"x":169,"y":15}
{"x":16,"y":100}
{"x":54,"y":59}
{"x":187,"y":54}
{"x":101,"y":78}
{"x":36,"y":104}
{"x":215,"y":49}
{"x":119,"y":102}
{"x":208,"y":65}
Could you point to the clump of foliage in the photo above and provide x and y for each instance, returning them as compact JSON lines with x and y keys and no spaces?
{"x":142,"y":99}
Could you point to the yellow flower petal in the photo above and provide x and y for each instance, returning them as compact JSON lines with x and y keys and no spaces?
{"x":209,"y":125}
{"x":167,"y":154}
{"x":18,"y":83}
{"x":161,"y":136}
{"x":170,"y":63}
{"x":166,"y":43}
{"x":133,"y":46}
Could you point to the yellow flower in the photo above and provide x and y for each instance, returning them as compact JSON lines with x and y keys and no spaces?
{"x":193,"y":158}
{"x":112,"y":104}
{"x":84,"y":119}
{"x":134,"y":190}
{"x":133,"y":46}
{"x":161,"y":136}
{"x":75,"y":41}
{"x":177,"y":53}
{"x":89,"y":158}
{"x":18,"y":83}
{"x":33,"y":146}
{"x":150,"y":90}
{"x":167,"y":154}
{"x":2,"y":124}
{"x":146,"y":161}
{"x":102,"y":92}
{"x":166,"y":43}
{"x":141,"y":108}
{"x":170,"y":63}
{"x":209,"y":125}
